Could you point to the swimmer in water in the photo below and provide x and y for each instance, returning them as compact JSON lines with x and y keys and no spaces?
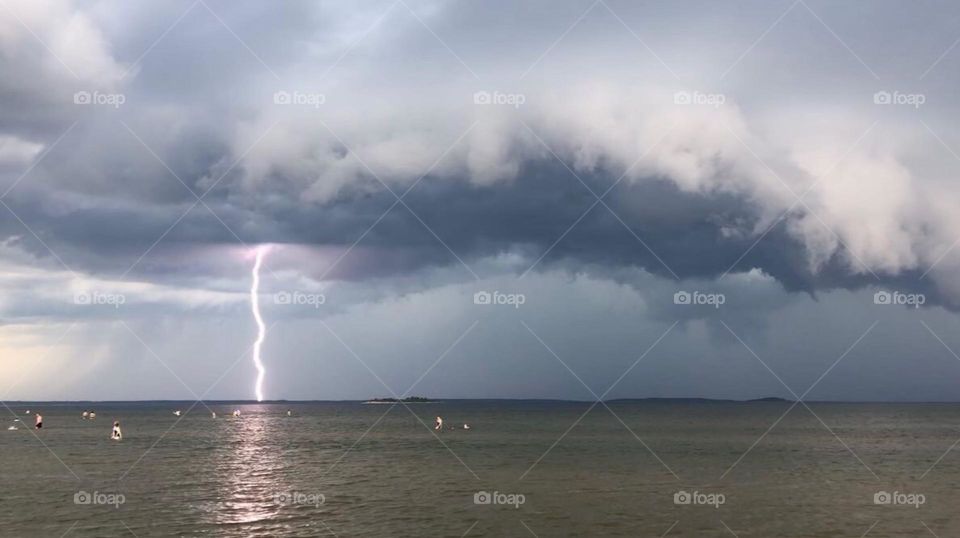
{"x":85,"y":415}
{"x":439,"y":424}
{"x":92,"y":415}
{"x":177,"y":412}
{"x":39,"y":421}
{"x":289,"y":413}
{"x":466,"y":426}
{"x":213,"y":414}
{"x":236,"y":412}
{"x":116,"y":434}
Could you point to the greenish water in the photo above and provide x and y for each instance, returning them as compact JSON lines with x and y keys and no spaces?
{"x":348,"y":469}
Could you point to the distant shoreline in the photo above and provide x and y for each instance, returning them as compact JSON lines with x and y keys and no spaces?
{"x":480,"y":400}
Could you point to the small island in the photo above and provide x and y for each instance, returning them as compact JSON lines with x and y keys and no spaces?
{"x":410,"y":399}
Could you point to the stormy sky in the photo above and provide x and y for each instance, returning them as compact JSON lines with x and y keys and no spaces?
{"x":663,"y":199}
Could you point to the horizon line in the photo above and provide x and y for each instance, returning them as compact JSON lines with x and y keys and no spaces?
{"x":691,"y":399}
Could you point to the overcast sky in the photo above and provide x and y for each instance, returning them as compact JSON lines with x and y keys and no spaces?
{"x":791,"y":165}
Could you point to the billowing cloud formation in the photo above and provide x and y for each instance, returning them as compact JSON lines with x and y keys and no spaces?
{"x":399,"y":148}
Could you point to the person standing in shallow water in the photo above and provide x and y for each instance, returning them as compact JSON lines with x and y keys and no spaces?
{"x":116,"y":434}
{"x":39,"y":423}
{"x":439,"y":424}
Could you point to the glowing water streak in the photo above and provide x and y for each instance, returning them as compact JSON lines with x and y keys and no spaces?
{"x":261,"y":329}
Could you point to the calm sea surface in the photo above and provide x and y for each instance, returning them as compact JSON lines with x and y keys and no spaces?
{"x":348,"y":469}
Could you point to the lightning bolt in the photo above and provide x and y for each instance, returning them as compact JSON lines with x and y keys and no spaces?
{"x":261,"y":329}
